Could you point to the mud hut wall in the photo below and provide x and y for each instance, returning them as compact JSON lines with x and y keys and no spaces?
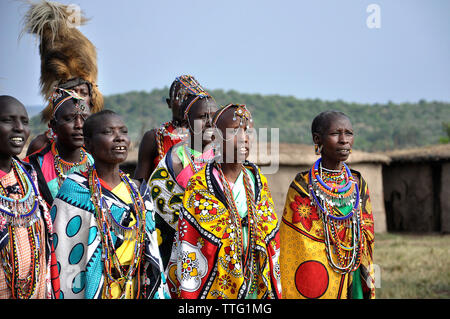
{"x":445,"y":198}
{"x":409,"y":197}
{"x":373,"y":175}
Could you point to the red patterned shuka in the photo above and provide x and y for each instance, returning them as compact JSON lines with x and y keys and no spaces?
{"x":166,"y":137}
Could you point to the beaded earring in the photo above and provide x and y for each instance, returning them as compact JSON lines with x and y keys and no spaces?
{"x":318,"y":149}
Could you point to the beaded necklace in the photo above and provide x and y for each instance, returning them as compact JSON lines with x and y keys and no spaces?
{"x":196,"y":163}
{"x":249,"y":260}
{"x":26,"y":287}
{"x":332,"y":191}
{"x":340,"y":195}
{"x":63,"y":167}
{"x":109,"y":226}
{"x":164,"y":131}
{"x":20,"y":212}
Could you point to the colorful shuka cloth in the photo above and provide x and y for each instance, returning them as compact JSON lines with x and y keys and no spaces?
{"x":31,"y":252}
{"x":167,"y":191}
{"x":166,"y":137}
{"x":79,"y":247}
{"x":43,"y":162}
{"x":207,"y":263}
{"x":306,"y":272}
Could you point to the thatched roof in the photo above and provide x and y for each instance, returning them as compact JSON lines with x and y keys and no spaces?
{"x":300,"y":155}
{"x":432,"y":153}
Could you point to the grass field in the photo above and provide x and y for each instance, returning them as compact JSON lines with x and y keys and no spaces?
{"x":413,"y":266}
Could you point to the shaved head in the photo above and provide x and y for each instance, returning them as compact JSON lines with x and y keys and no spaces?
{"x":9,"y":100}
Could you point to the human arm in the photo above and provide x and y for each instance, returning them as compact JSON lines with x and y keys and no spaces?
{"x":148,"y":150}
{"x":38,"y":143}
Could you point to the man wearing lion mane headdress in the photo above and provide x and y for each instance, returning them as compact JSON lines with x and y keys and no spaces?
{"x":68,"y":69}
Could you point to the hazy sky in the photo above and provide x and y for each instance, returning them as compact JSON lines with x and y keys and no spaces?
{"x":308,"y":49}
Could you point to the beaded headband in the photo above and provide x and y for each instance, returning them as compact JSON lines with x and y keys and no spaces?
{"x":241,"y":111}
{"x":60,"y":96}
{"x":190,"y":87}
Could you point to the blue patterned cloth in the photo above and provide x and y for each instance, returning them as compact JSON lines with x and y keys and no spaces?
{"x":78,"y":244}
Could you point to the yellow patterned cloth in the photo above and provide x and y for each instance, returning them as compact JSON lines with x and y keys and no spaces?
{"x":208,"y":264}
{"x":305,"y":270}
{"x":126,"y":249}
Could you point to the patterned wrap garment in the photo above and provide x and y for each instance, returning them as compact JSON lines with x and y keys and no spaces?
{"x":47,"y":285}
{"x":79,"y":247}
{"x":43,"y":162}
{"x":167,"y":191}
{"x":207,"y":265}
{"x":305,"y":269}
{"x":166,"y":137}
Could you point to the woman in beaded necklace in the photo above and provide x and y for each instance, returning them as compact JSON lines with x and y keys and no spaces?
{"x":168,"y":181}
{"x":227,"y":239}
{"x":65,"y":154}
{"x":107,"y":245}
{"x":157,"y":142}
{"x":326,"y":231}
{"x":26,"y":257}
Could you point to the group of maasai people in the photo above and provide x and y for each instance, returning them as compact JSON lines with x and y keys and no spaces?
{"x":196,"y":220}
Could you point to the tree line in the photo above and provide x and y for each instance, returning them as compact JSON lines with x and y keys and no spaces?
{"x":378,"y":127}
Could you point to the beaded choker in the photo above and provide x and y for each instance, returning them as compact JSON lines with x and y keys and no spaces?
{"x":63,"y":167}
{"x":20,"y":212}
{"x":249,"y":260}
{"x":115,"y":273}
{"x":336,"y":194}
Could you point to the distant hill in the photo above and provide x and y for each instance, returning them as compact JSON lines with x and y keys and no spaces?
{"x":378,"y":127}
{"x":34,"y":110}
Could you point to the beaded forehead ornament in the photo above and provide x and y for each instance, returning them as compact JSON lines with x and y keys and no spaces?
{"x":241,"y":112}
{"x":60,"y":96}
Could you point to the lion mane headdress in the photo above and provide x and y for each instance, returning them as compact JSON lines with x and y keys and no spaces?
{"x":68,"y":58}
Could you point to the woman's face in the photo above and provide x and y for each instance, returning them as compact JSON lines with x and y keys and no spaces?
{"x":68,"y":124}
{"x":199,"y":117}
{"x":83,"y":91}
{"x":14,"y":128}
{"x":109,"y":142}
{"x":236,"y":137}
{"x":337,"y":140}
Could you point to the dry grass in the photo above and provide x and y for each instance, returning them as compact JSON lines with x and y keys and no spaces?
{"x":413,"y":266}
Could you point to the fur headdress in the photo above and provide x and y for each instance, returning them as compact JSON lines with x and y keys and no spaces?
{"x":68,"y":58}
